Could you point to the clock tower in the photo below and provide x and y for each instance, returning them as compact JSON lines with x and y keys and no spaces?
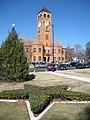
{"x":44,"y":28}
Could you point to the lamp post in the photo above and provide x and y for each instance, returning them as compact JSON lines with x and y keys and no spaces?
{"x":52,"y":25}
{"x":53,"y":41}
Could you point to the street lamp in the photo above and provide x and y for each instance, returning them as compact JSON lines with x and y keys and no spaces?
{"x":52,"y":25}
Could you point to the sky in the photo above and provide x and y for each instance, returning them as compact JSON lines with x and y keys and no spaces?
{"x":71,"y":19}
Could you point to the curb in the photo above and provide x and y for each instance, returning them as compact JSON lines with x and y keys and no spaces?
{"x":5,"y":100}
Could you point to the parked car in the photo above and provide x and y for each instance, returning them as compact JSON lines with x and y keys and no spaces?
{"x":87,"y":65}
{"x":62,"y":67}
{"x":73,"y":63}
{"x":51,"y":67}
{"x":80,"y":66}
{"x":40,"y":65}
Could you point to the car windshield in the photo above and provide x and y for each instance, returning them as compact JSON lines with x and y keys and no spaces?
{"x":62,"y":65}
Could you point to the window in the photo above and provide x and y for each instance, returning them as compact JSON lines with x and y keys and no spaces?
{"x":39,"y":49}
{"x":44,"y":15}
{"x":34,"y":49}
{"x":58,"y":50}
{"x":48,"y":51}
{"x":39,"y":58}
{"x":46,"y":44}
{"x":62,"y":58}
{"x":45,"y":51}
{"x":62,"y":51}
{"x":58,"y":58}
{"x":27,"y":49}
{"x":46,"y":37}
{"x":48,"y":16}
{"x":34,"y":58}
{"x":40,"y":15}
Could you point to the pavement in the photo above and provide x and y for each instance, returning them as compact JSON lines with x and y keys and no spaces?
{"x":58,"y":73}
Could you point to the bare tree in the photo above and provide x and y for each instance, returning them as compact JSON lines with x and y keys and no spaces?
{"x":87,"y":50}
{"x":80,"y":52}
{"x":75,"y":51}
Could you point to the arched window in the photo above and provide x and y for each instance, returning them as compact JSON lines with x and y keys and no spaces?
{"x":44,"y":15}
{"x":39,"y":50}
{"x":58,"y":58}
{"x":39,"y":58}
{"x":48,"y":16}
{"x":34,"y":58}
{"x":48,"y":51}
{"x":58,"y":50}
{"x":34,"y":49}
{"x":40,"y":15}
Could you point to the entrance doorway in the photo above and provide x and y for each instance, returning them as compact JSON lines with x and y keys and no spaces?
{"x":48,"y":59}
{"x":44,"y":59}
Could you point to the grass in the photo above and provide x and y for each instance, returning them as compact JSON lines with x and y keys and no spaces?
{"x":44,"y":79}
{"x":13,"y":111}
{"x":68,"y":112}
{"x":79,"y":72}
{"x":9,"y":111}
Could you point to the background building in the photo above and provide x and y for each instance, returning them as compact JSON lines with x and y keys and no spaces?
{"x":41,"y":49}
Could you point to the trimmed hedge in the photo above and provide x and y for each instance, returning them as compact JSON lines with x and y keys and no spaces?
{"x":51,"y":89}
{"x":71,"y":95}
{"x":39,"y":101}
{"x":40,"y":97}
{"x":14,"y":94}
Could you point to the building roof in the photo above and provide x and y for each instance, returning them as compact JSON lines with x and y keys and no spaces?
{"x":44,"y":10}
{"x":37,"y":43}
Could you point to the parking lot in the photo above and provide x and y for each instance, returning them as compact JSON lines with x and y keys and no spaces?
{"x":61,"y":67}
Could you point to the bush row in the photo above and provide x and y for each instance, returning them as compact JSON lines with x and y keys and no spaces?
{"x":38,"y":89}
{"x":14,"y":94}
{"x":40,"y":97}
{"x":39,"y":101}
{"x":71,"y":95}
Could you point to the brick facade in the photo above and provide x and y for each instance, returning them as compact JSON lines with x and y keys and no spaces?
{"x":41,"y":48}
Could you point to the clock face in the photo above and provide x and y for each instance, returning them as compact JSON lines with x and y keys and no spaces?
{"x":46,"y":23}
{"x":39,"y":24}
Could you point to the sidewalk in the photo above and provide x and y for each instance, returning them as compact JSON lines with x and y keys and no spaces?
{"x":86,"y":79}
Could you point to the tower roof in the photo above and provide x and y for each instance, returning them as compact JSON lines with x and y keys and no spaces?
{"x":44,"y":10}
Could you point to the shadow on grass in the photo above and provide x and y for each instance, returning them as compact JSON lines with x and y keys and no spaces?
{"x":85,"y":115}
{"x":30,"y":77}
{"x":58,"y":118}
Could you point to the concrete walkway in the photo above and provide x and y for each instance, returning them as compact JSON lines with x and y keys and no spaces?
{"x":86,"y":79}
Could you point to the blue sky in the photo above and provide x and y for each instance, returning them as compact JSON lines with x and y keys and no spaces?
{"x":71,"y":19}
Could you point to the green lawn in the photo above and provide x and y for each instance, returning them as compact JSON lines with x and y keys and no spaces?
{"x":13,"y":111}
{"x":44,"y":79}
{"x":68,"y":112}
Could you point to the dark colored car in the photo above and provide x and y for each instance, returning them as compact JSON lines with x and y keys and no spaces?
{"x":73,"y":63}
{"x":51,"y":67}
{"x":62,"y":67}
{"x":86,"y":65}
{"x":80,"y":66}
